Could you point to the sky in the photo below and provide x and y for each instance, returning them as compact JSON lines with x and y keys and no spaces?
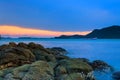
{"x":57,"y":16}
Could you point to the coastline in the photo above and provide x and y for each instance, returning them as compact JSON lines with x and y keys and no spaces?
{"x":59,"y":66}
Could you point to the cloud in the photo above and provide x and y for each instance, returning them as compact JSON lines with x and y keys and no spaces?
{"x":20,"y":31}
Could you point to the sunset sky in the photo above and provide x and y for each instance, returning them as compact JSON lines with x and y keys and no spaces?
{"x":17,"y":31}
{"x":46,"y":18}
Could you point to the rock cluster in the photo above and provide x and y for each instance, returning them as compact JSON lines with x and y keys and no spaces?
{"x":34,"y":62}
{"x":101,"y":66}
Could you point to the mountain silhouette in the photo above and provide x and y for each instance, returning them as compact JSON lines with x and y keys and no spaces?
{"x":112,"y":32}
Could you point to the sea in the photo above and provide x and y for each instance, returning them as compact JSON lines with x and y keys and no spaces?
{"x":107,"y":50}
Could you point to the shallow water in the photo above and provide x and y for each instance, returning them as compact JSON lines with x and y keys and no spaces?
{"x":107,"y":50}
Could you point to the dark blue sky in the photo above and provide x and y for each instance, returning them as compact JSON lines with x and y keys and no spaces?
{"x":60,"y":15}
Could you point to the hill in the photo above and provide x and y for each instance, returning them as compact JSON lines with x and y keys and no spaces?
{"x":70,"y":37}
{"x":112,"y":32}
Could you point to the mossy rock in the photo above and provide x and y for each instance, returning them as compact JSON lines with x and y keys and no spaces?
{"x":75,"y":65}
{"x":43,"y":55}
{"x":5,"y":71}
{"x":72,"y":76}
{"x":40,"y":70}
{"x":23,"y":69}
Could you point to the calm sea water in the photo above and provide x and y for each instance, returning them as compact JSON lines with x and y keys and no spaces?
{"x":107,"y":50}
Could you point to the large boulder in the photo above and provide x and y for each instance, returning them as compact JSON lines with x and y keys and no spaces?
{"x":39,"y":70}
{"x":74,"y":69}
{"x":15,"y":57}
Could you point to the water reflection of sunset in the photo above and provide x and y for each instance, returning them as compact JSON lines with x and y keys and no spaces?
{"x":20,"y":31}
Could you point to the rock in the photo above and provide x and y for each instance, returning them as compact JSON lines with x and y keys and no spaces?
{"x":5,"y":72}
{"x":116,"y":75}
{"x":15,"y":57}
{"x":58,"y":51}
{"x":12,"y":44}
{"x":4,"y":46}
{"x":85,"y":60}
{"x":39,"y":70}
{"x":43,"y":55}
{"x":60,"y":57}
{"x":32,"y":45}
{"x":73,"y":68}
{"x":102,"y":66}
{"x":23,"y":45}
{"x":34,"y":62}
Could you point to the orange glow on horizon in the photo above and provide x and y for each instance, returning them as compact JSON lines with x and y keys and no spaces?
{"x":20,"y":31}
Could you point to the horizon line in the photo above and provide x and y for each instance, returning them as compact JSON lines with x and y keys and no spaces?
{"x":18,"y":31}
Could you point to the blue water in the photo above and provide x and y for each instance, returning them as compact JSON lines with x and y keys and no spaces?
{"x":107,"y":50}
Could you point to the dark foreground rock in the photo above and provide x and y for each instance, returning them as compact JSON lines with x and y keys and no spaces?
{"x":116,"y":75}
{"x":34,"y":62}
{"x":101,"y":66}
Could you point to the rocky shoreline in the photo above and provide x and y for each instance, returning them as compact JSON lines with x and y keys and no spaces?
{"x":35,"y":62}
